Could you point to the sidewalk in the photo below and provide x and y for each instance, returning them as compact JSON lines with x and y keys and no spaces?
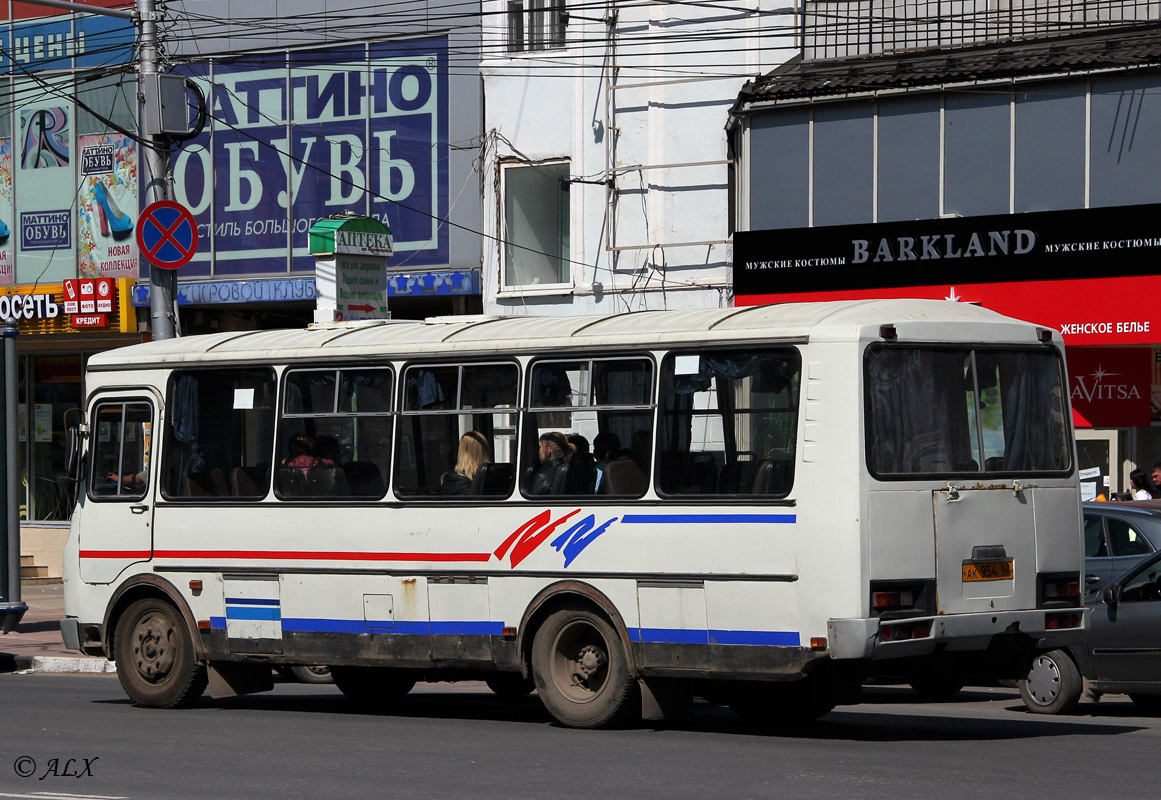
{"x":36,"y":643}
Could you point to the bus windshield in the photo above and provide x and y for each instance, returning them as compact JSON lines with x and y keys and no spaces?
{"x":949,"y":410}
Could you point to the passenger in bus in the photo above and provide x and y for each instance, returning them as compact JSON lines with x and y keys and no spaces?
{"x":328,"y":450}
{"x":473,"y":452}
{"x":130,"y":480}
{"x":554,"y":451}
{"x":604,"y":447}
{"x":302,"y":453}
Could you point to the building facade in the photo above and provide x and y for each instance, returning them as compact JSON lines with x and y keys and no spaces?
{"x":1011,"y":160}
{"x":309,"y":112}
{"x":606,"y":162}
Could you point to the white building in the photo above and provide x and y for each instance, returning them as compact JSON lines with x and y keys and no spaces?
{"x":606,"y":172}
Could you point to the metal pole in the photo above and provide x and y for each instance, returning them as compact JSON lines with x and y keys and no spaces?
{"x":11,"y":608}
{"x":162,"y":282}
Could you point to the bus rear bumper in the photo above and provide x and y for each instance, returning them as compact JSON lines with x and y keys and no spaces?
{"x":84,"y":637}
{"x":877,"y":639}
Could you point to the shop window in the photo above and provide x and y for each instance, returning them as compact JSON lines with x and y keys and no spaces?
{"x":536,"y":224}
{"x":536,"y":25}
{"x":50,"y":390}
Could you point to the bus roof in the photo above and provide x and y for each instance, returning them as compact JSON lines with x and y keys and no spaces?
{"x":931,"y":320}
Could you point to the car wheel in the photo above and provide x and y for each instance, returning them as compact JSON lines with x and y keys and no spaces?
{"x":1053,"y":685}
{"x":936,"y":688}
{"x":315,"y":674}
{"x":1149,"y":703}
{"x":155,"y":656}
{"x":581,"y":673}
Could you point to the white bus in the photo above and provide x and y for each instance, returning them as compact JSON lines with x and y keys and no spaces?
{"x":763,"y":506}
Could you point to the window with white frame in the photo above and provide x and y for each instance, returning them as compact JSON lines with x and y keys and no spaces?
{"x":536,"y":225}
{"x":536,"y":25}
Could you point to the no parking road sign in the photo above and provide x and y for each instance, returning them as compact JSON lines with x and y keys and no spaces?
{"x":167,"y":234}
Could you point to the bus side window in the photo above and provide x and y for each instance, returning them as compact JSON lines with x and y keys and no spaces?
{"x":457,"y":431}
{"x":121,"y":450}
{"x":335,"y":434}
{"x":586,"y":416}
{"x":729,"y":422}
{"x":218,"y":421}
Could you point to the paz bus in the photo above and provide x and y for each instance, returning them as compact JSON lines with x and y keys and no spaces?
{"x":785,"y":501}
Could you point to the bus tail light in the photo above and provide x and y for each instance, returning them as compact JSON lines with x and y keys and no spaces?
{"x":906,"y":630}
{"x":889,"y":601}
{"x":1060,"y":590}
{"x":1061,"y":619}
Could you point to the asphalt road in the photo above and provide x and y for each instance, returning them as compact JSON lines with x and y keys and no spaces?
{"x":458,"y":740}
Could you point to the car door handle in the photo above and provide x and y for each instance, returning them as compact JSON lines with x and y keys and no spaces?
{"x":139,"y":508}
{"x":1092,"y":578}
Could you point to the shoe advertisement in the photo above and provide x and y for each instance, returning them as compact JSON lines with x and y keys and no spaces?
{"x":46,"y":185}
{"x":7,"y":276}
{"x":107,"y":207}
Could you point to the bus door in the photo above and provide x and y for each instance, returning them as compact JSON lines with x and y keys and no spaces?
{"x":985,"y":545}
{"x":116,"y":527}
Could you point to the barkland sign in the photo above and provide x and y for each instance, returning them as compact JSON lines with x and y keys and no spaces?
{"x":1091,"y":273}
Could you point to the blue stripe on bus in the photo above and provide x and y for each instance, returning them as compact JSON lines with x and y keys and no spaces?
{"x":273,"y":614}
{"x":399,"y":627}
{"x":691,"y":636}
{"x":725,"y":519}
{"x":251,"y":601}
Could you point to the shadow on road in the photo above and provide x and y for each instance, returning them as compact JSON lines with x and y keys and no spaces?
{"x":924,"y":723}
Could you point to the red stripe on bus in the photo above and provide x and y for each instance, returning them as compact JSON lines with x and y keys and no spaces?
{"x":115,"y":554}
{"x":306,"y":555}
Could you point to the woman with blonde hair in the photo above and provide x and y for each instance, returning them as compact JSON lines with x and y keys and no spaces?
{"x":473,"y":451}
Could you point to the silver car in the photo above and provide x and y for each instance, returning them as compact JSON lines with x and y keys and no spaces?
{"x":1117,"y":536}
{"x":1121,"y":654}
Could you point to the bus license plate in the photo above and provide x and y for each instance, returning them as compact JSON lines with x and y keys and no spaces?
{"x":988,"y":571}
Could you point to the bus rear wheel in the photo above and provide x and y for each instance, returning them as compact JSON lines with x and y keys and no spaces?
{"x":580,"y":669}
{"x":375,"y":687}
{"x":155,"y":656}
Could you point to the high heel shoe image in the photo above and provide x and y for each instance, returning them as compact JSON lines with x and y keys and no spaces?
{"x":112,"y":218}
{"x":5,"y":232}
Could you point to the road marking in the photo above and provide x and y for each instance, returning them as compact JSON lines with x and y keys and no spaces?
{"x":62,"y":796}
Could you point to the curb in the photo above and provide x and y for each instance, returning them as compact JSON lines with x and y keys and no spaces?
{"x":59,"y":664}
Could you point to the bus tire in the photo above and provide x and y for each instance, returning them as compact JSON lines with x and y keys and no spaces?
{"x":1053,"y":685}
{"x":155,"y":656}
{"x":510,"y":685}
{"x":580,"y":670}
{"x":314,"y":674}
{"x":375,"y":687}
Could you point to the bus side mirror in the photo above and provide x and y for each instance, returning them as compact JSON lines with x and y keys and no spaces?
{"x":73,"y":442}
{"x":1112,"y":594}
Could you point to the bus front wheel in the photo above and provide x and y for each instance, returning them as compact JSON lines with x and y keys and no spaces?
{"x":580,"y":670}
{"x":155,"y":656}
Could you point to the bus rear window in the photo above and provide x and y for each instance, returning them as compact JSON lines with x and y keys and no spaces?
{"x":936,"y":411}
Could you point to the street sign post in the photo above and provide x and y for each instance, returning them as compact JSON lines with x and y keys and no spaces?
{"x":167,"y":234}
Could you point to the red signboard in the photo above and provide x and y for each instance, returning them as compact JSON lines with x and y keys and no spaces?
{"x":89,"y":299}
{"x":1110,"y":387}
{"x":1086,"y":311}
